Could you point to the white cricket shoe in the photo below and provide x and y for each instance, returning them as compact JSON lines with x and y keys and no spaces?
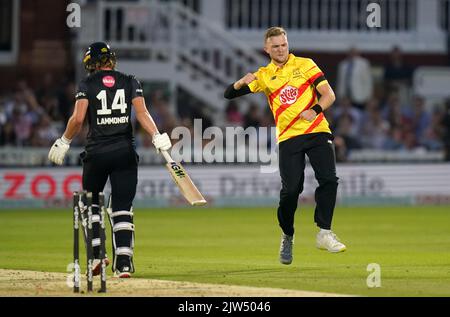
{"x":286,"y":249}
{"x":327,"y":240}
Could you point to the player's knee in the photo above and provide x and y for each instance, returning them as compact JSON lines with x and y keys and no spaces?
{"x":291,"y":193}
{"x":331,"y":180}
{"x":121,"y":203}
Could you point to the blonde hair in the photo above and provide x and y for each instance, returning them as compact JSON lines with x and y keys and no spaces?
{"x":274,"y":31}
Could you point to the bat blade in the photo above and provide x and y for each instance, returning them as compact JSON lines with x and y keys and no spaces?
{"x":185,"y":184}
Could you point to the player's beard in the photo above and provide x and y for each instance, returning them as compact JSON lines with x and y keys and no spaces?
{"x":281,"y":58}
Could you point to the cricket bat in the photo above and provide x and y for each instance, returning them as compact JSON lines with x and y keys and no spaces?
{"x":183,"y":181}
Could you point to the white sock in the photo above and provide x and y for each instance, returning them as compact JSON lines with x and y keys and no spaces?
{"x":325,"y":231}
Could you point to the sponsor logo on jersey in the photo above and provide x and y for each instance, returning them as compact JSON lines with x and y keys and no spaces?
{"x":109,"y":81}
{"x":288,"y":95}
{"x":80,"y":94}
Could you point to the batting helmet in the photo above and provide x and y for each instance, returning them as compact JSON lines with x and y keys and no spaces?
{"x":98,"y":54}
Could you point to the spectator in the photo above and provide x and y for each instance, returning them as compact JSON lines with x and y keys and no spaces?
{"x":392,"y":110}
{"x":395,"y":140}
{"x":397,"y":75}
{"x":354,"y":79}
{"x":396,"y":69}
{"x":22,"y":124}
{"x":431,"y":138}
{"x":446,"y":130}
{"x":410,"y":140}
{"x":419,"y":116}
{"x":50,"y":106}
{"x":376,"y":128}
{"x":345,"y":109}
{"x":350,"y":136}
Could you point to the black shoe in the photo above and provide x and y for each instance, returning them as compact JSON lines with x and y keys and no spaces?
{"x":124,"y":272}
{"x":123,"y":267}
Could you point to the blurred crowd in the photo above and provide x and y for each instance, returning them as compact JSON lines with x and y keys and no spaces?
{"x":368,"y":114}
{"x":35,"y":116}
{"x":384,"y":115}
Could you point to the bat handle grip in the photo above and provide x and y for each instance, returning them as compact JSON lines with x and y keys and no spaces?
{"x":167,"y":156}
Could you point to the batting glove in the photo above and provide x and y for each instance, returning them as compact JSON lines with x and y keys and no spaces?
{"x":58,"y":150}
{"x":161,"y":142}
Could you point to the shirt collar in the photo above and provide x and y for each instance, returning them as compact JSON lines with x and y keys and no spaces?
{"x":274,"y":67}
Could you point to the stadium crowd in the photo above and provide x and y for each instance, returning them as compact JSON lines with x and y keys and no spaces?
{"x":381,"y":115}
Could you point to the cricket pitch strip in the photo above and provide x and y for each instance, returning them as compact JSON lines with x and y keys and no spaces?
{"x":33,"y":283}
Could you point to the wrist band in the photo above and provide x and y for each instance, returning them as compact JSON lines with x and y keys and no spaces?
{"x":65,"y":140}
{"x":317,"y":108}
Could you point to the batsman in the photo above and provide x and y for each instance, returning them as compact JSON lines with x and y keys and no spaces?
{"x":107,"y":96}
{"x":298,"y":93}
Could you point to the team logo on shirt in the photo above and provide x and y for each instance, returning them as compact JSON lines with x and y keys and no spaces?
{"x":109,"y":81}
{"x":296,"y":73}
{"x":288,"y":95}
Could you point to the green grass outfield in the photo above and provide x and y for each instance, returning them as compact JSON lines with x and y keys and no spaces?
{"x":239,"y":246}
